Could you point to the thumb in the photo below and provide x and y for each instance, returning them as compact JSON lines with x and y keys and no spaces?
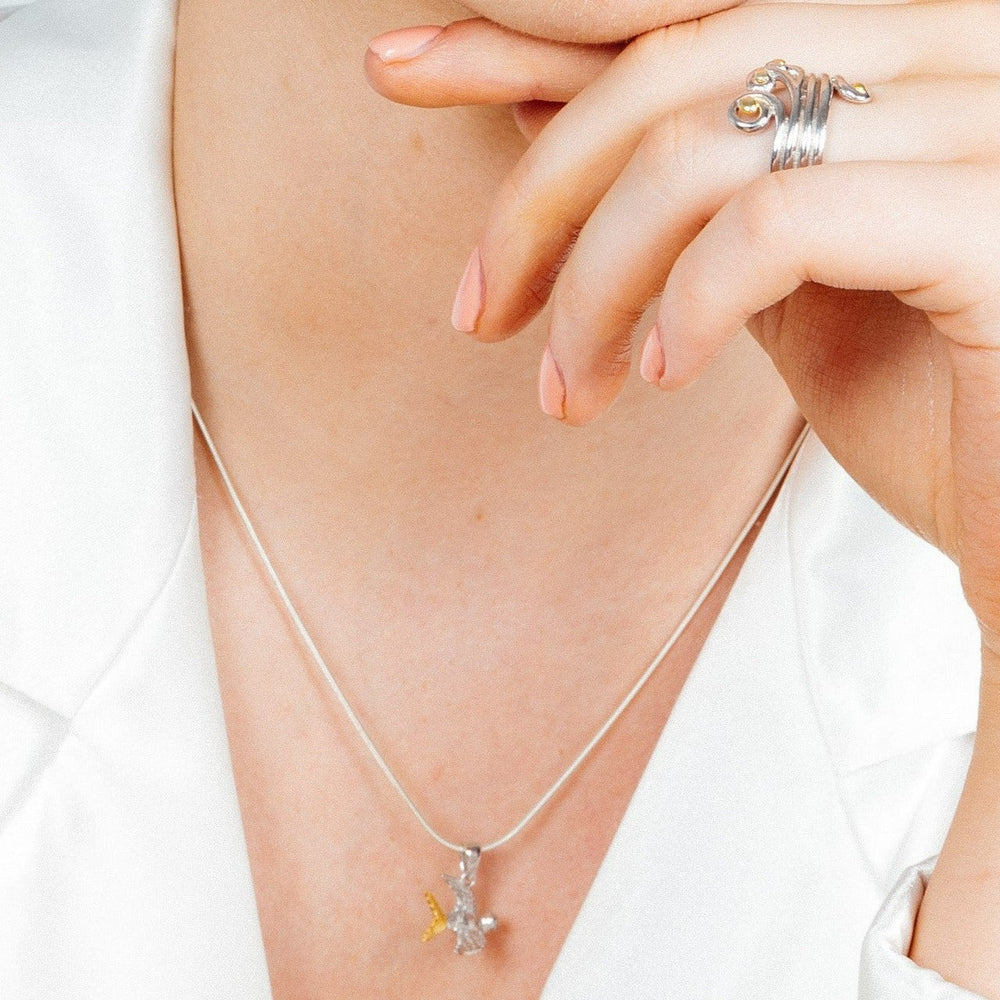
{"x":479,"y":62}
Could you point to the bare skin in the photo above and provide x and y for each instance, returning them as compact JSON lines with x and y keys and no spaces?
{"x":485,"y":582}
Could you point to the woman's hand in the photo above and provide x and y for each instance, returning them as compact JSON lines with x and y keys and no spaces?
{"x":873,"y":280}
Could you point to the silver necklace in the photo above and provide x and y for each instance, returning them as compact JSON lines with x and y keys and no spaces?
{"x":463,"y":919}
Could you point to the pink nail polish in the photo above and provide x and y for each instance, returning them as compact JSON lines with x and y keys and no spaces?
{"x":406,"y":43}
{"x":653,"y":363}
{"x":469,"y":300}
{"x":551,"y":388}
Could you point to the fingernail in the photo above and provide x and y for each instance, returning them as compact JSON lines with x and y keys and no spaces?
{"x":653,"y":363}
{"x":406,"y":43}
{"x":469,"y":300}
{"x":551,"y":388}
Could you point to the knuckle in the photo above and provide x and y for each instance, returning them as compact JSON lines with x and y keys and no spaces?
{"x":540,"y":283}
{"x":764,"y":210}
{"x":670,"y":153}
{"x":617,"y":355}
{"x":601,"y":333}
{"x":580,"y":304}
{"x":530,"y":194}
{"x":970,"y":17}
{"x":646,"y":46}
{"x":576,"y":295}
{"x":517,"y":187}
{"x":692,"y":289}
{"x":611,"y":360}
{"x":672,"y":42}
{"x":573,"y":302}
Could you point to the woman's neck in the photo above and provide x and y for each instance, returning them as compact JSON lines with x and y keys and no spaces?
{"x":323,"y":228}
{"x":322,"y":233}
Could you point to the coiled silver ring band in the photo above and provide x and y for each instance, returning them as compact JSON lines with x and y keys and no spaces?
{"x":800,"y":128}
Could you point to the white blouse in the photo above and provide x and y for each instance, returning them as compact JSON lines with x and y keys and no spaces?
{"x":814,"y":757}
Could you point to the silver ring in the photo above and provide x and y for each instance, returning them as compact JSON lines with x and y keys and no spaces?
{"x":800,"y":129}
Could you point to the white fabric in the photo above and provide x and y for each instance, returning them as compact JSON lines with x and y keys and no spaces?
{"x":788,"y":791}
{"x":123,"y":869}
{"x":886,"y":971}
{"x":816,"y":752}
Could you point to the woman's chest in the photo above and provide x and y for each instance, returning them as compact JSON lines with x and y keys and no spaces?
{"x":342,"y":868}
